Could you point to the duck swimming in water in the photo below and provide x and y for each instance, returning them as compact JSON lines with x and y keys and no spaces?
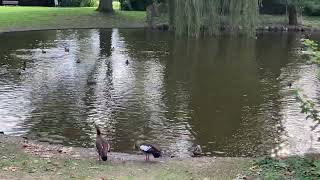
{"x":102,"y":145}
{"x":148,"y":149}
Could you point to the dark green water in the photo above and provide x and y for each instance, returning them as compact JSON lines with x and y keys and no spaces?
{"x":228,"y":94}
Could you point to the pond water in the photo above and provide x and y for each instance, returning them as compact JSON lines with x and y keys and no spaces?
{"x":228,"y":94}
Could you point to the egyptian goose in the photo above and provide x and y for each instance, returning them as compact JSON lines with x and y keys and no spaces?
{"x":102,"y":145}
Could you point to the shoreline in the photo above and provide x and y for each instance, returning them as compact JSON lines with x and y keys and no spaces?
{"x":163,"y":27}
{"x":82,"y":163}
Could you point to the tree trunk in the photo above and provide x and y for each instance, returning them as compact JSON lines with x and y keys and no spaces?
{"x":171,"y":13}
{"x":293,"y":15}
{"x":151,"y":14}
{"x":105,"y":6}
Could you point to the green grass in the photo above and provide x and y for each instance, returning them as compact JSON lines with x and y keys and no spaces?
{"x":17,"y":164}
{"x":267,"y":20}
{"x":24,"y":18}
{"x":290,"y":168}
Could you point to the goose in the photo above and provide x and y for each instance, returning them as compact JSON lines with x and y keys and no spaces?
{"x":148,"y":149}
{"x":102,"y":145}
{"x":66,"y":49}
{"x":127,"y":62}
{"x":43,"y":51}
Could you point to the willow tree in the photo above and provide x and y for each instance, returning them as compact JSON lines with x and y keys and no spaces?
{"x":192,"y":17}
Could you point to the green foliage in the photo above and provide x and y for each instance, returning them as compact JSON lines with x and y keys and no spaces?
{"x":116,"y":5}
{"x":312,"y":50}
{"x":135,"y":5}
{"x":78,"y":3}
{"x":89,"y":3}
{"x":312,"y":8}
{"x":291,"y":168}
{"x":209,"y":16}
{"x":307,"y":106}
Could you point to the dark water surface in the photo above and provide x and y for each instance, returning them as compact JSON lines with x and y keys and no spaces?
{"x":228,"y":94}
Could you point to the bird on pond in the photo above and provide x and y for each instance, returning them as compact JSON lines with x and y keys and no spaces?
{"x":78,"y":61}
{"x":24,"y":65}
{"x":290,"y":84}
{"x":43,"y":51}
{"x":112,"y":49}
{"x":66,"y":49}
{"x":148,"y":149}
{"x":127,"y":62}
{"x":102,"y":145}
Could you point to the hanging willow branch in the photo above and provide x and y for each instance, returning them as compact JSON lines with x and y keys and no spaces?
{"x":192,"y":17}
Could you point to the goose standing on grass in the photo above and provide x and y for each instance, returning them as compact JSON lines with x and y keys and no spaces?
{"x":148,"y":149}
{"x":102,"y":145}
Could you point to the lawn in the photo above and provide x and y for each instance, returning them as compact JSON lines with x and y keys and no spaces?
{"x":28,"y":18}
{"x":311,"y":21}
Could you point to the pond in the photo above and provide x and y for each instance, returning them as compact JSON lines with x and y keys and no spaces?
{"x":228,"y":94}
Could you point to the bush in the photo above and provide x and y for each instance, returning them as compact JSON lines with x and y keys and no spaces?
{"x":312,"y":9}
{"x":78,"y":3}
{"x":89,"y":3}
{"x":135,"y":5}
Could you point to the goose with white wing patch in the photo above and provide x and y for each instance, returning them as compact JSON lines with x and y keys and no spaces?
{"x":148,"y":149}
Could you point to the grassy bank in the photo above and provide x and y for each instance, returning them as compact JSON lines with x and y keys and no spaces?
{"x":33,"y":18}
{"x":291,"y":168}
{"x":269,"y":20}
{"x":37,"y":18}
{"x":31,"y":160}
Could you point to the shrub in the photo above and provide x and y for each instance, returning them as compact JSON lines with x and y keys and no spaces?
{"x":78,"y":3}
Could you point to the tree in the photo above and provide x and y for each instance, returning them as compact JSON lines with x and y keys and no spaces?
{"x":192,"y":17}
{"x":292,"y":14}
{"x":105,"y":6}
{"x":171,"y":13}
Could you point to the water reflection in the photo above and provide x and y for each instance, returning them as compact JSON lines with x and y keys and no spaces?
{"x":227,"y":94}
